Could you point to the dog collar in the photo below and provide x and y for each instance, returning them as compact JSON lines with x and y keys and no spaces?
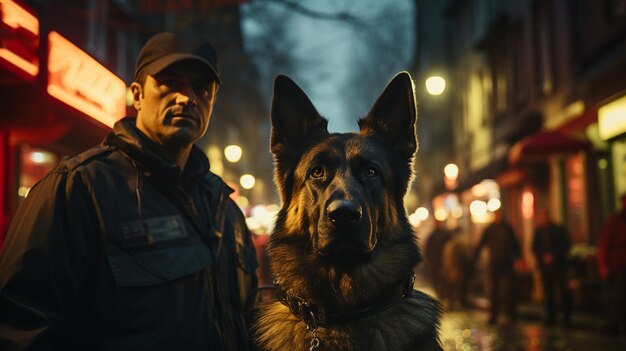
{"x":316,"y":315}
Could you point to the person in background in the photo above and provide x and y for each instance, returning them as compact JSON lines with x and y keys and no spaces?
{"x":433,"y":254}
{"x":550,"y":245}
{"x":612,"y":263}
{"x":504,"y":250}
{"x":134,"y":244}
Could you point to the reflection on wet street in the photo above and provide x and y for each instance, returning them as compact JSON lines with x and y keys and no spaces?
{"x":468,"y":330}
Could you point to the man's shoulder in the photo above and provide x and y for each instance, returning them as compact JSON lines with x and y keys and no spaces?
{"x":85,"y":158}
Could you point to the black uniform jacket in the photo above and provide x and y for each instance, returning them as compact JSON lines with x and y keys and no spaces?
{"x":116,"y":250}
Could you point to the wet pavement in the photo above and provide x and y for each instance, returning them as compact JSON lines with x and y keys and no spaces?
{"x":468,"y":330}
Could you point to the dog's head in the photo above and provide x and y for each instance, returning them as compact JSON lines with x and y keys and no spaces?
{"x":343,"y":191}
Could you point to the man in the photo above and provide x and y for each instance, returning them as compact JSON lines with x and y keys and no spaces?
{"x":612,"y":263}
{"x":551,"y":244}
{"x":134,"y":244}
{"x":504,"y":250}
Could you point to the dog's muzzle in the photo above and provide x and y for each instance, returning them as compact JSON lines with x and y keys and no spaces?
{"x":344,"y":214}
{"x":345,"y":230}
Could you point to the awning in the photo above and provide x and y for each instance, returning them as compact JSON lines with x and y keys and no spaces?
{"x":539,"y":145}
{"x":490,"y":171}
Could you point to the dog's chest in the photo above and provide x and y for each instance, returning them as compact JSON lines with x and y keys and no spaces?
{"x":393,"y":329}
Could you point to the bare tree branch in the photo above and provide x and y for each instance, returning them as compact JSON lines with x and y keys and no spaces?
{"x":303,"y":10}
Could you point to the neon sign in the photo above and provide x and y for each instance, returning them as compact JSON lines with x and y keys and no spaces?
{"x":19,"y":39}
{"x":78,"y":80}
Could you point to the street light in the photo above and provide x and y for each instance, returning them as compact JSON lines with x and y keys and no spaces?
{"x":247,"y":181}
{"x":451,"y":171}
{"x":451,"y":175}
{"x":233,"y":153}
{"x":435,"y":85}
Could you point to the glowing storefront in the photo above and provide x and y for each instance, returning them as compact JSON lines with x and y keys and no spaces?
{"x":56,"y":101}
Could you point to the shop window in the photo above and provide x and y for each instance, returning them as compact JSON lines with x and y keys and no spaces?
{"x":34,"y":163}
{"x":577,"y":219}
{"x":618,"y":160}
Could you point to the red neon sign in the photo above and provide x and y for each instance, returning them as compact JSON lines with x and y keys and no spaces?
{"x":78,"y":80}
{"x":19,"y":39}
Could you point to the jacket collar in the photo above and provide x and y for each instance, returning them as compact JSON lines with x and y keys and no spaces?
{"x":150,"y":155}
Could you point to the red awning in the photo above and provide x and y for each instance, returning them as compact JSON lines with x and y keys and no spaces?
{"x":539,"y":145}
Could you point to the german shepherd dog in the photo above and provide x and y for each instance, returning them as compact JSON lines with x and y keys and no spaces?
{"x":342,"y":252}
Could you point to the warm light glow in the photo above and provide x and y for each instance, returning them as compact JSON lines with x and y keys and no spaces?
{"x":603,"y":163}
{"x":494,"y":204}
{"x":612,"y":118}
{"x":17,"y":17}
{"x":31,"y":68}
{"x":528,"y":204}
{"x":441,"y":214}
{"x":215,"y":155}
{"x":414,"y":220}
{"x":422,"y":213}
{"x":262,"y":218}
{"x":253,"y":223}
{"x":457,"y":212}
{"x":38,"y":157}
{"x":23,"y":191}
{"x":478,"y":208}
{"x":81,"y":82}
{"x":435,"y":85}
{"x":479,"y":190}
{"x":242,"y":202}
{"x":451,"y":171}
{"x":247,"y":181}
{"x":233,"y":153}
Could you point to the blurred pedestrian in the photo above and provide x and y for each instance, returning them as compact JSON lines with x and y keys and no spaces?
{"x":134,"y":244}
{"x":499,"y":238}
{"x":612,"y":263}
{"x":457,"y":256}
{"x":433,"y":254}
{"x":551,"y":244}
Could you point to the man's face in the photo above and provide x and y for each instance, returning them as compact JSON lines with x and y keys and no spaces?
{"x":174,"y":106}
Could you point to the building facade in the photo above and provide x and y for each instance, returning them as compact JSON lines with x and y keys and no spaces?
{"x":537,"y":113}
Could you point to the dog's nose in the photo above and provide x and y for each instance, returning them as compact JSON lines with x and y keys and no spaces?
{"x":344,"y":213}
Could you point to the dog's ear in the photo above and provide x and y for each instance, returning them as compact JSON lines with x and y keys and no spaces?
{"x":295,"y":125}
{"x":294,"y":118}
{"x":393,"y":117}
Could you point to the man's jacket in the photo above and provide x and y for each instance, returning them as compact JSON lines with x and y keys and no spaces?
{"x":551,"y":239}
{"x":115,"y":249}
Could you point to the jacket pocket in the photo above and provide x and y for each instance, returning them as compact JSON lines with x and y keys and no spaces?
{"x":157,"y":265}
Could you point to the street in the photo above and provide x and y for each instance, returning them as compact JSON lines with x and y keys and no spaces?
{"x":468,"y":330}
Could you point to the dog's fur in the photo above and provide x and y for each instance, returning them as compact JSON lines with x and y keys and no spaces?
{"x":342,"y":241}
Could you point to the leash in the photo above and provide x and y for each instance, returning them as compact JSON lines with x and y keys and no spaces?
{"x":315,"y":315}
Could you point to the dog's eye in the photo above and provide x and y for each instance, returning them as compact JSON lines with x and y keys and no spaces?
{"x":317,"y":172}
{"x":371,"y":172}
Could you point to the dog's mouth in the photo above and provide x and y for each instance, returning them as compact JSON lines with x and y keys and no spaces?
{"x":339,"y":246}
{"x":346,"y":229}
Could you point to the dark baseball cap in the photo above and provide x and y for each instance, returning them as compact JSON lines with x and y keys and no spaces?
{"x":164,"y":49}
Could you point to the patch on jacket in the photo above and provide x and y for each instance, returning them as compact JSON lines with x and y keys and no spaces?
{"x":152,"y":230}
